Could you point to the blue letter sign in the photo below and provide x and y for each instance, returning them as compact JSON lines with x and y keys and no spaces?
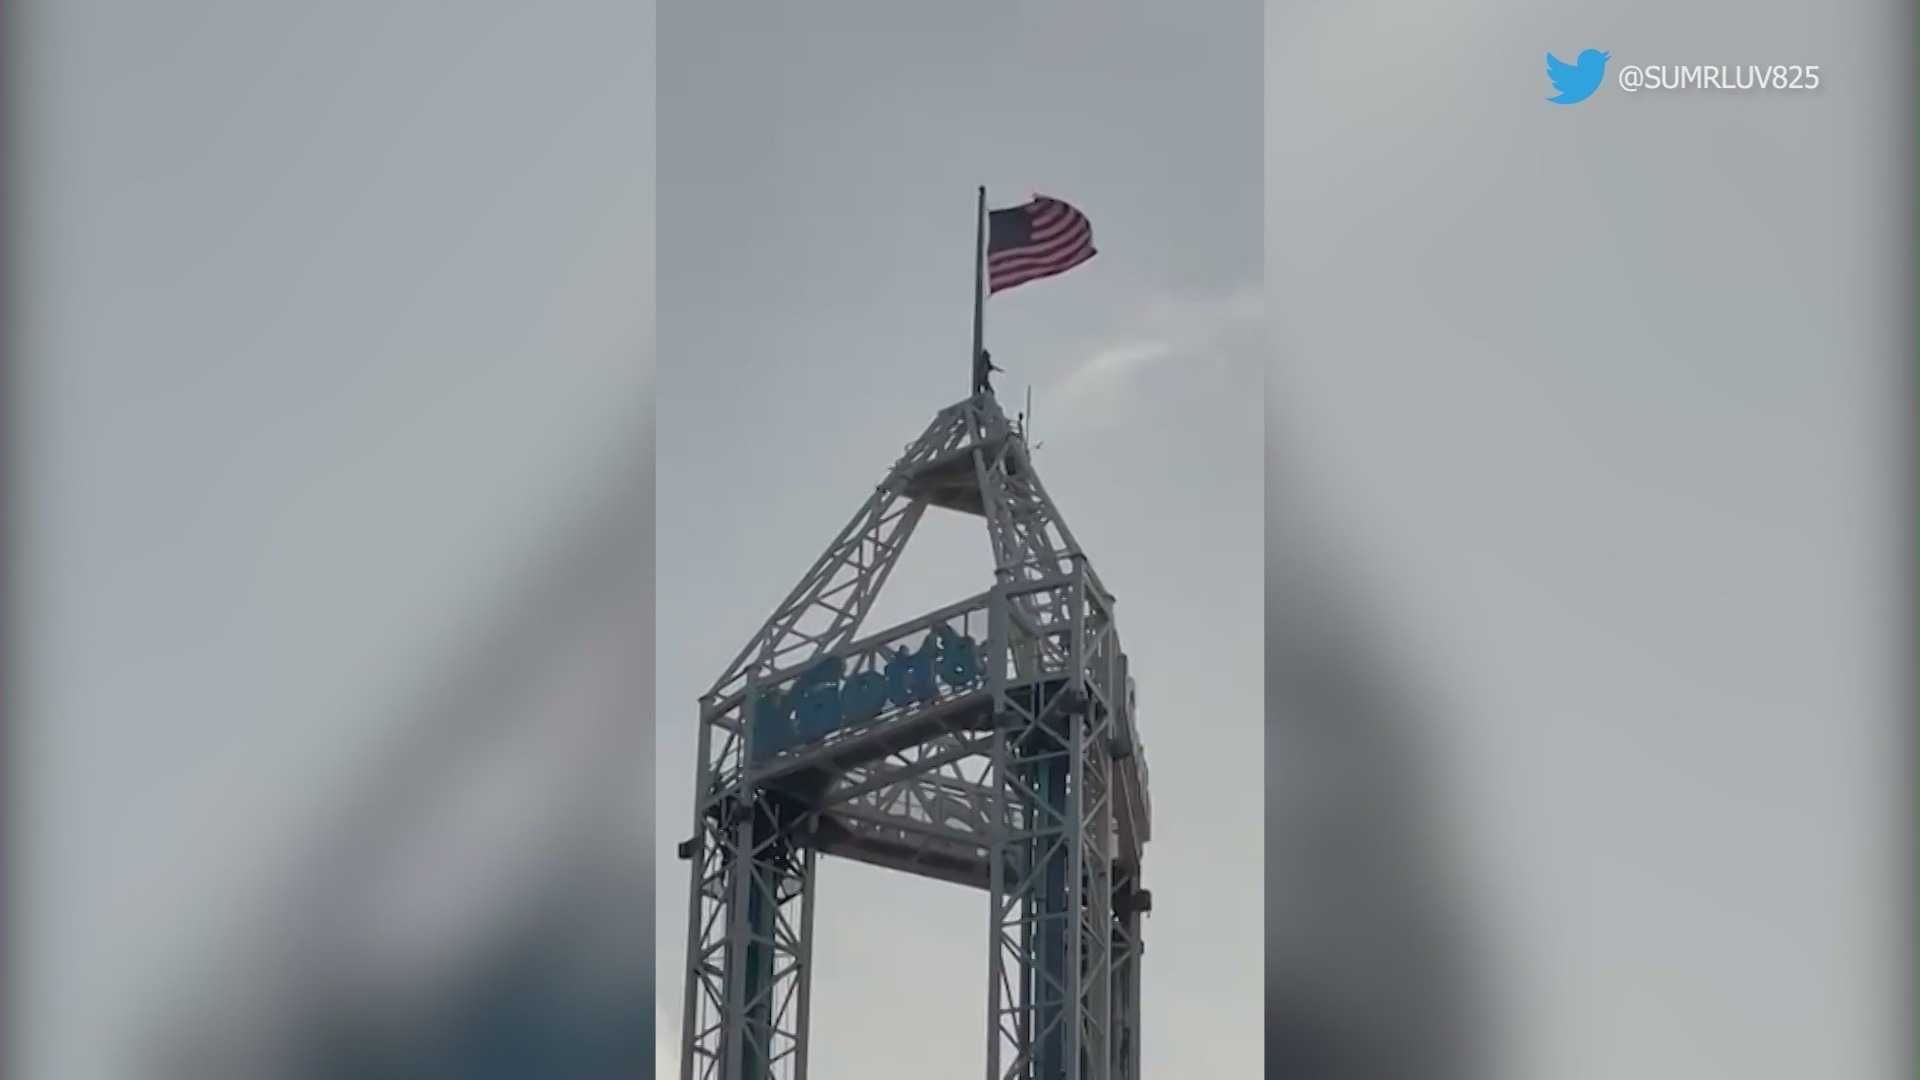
{"x":822,"y":699}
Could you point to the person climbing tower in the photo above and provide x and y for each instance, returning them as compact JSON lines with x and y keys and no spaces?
{"x":983,"y":370}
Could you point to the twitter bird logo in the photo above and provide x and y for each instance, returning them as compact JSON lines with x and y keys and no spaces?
{"x":1577,"y":81}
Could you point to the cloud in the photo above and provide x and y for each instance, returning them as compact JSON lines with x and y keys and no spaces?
{"x":666,"y":1046}
{"x":1194,"y":331}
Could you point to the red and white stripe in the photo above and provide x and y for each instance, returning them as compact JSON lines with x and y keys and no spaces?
{"x":1062,"y":238}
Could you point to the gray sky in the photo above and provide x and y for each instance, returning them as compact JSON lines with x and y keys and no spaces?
{"x":332,"y":323}
{"x":816,"y":190}
{"x":1605,"y":402}
{"x":331,"y":320}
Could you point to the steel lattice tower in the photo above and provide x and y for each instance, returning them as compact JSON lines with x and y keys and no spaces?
{"x":991,"y":743}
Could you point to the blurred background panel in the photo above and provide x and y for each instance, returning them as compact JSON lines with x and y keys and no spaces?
{"x":329,"y":435}
{"x":1602,"y":417}
{"x":1374,"y":967}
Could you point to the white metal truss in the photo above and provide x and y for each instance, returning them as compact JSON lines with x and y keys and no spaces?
{"x":991,"y":743}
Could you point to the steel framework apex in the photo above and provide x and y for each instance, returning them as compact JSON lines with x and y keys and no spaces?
{"x":992,"y":743}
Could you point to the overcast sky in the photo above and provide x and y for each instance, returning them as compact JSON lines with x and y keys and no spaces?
{"x":332,"y":323}
{"x":816,"y":221}
{"x":1606,"y":403}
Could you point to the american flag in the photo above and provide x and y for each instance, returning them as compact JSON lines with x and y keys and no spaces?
{"x":1043,"y":238}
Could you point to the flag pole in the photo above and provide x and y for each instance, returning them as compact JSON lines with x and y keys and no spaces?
{"x":979,"y":293}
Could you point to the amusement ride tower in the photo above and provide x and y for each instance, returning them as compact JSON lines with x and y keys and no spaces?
{"x":992,"y":743}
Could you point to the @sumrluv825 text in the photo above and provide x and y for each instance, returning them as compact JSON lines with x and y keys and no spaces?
{"x":1636,"y":77}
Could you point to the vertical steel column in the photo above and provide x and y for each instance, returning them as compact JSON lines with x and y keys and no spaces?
{"x":749,"y":923}
{"x":1125,"y":1011}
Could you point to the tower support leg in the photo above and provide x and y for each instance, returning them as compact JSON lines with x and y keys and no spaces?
{"x":1050,"y":970}
{"x":748,"y":971}
{"x":1125,"y":1028}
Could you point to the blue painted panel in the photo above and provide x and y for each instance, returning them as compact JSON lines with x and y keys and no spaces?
{"x":824,"y":699}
